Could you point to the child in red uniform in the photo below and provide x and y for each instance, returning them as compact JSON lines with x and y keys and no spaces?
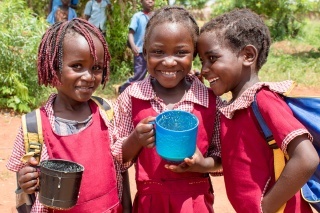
{"x":232,"y":48}
{"x":169,"y":49}
{"x":74,"y":58}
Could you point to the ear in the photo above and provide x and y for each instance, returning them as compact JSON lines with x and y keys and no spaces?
{"x":144,"y":52}
{"x":249,"y":54}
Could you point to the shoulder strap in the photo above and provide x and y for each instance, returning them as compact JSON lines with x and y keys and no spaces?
{"x":266,"y":131}
{"x":279,"y":158}
{"x":32,"y":135}
{"x":104,"y":104}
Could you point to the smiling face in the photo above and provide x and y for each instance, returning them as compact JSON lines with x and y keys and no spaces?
{"x":169,"y":53}
{"x":81,"y":75}
{"x":220,"y":65}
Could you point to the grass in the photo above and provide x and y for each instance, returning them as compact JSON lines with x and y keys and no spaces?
{"x":296,"y":59}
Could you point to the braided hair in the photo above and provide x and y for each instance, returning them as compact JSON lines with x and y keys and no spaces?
{"x":50,"y":52}
{"x":172,"y":14}
{"x":240,"y":28}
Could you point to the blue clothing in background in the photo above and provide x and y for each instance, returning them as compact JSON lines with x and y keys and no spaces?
{"x":51,"y":17}
{"x":97,"y":13}
{"x":56,"y":3}
{"x":138,"y":24}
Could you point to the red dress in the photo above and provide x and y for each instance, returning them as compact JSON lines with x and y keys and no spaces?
{"x":160,"y":190}
{"x":248,"y":160}
{"x":90,"y":148}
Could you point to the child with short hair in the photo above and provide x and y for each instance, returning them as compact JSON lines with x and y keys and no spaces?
{"x":97,"y":12}
{"x":169,"y":49}
{"x":233,"y":47}
{"x":137,"y":29}
{"x":73,"y":57}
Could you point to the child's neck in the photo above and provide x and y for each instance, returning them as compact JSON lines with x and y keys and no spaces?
{"x":171,"y":96}
{"x":64,"y":7}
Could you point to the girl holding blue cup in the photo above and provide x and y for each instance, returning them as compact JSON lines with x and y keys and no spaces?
{"x":169,"y":49}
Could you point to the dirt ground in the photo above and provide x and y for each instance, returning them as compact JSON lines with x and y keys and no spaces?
{"x":9,"y":125}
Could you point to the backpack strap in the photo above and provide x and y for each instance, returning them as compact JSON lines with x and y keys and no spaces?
{"x":104,"y":104}
{"x":279,"y":157}
{"x":32,"y":135}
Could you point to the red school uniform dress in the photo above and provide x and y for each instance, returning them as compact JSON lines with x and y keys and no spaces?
{"x":246,"y":158}
{"x":158,"y":189}
{"x":90,"y":147}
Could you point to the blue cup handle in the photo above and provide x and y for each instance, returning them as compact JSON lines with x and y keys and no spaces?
{"x":154,"y":125}
{"x":152,"y":122}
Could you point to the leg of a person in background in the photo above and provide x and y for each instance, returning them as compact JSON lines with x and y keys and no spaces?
{"x":140,"y":71}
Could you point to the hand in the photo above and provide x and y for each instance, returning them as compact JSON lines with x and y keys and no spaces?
{"x":135,"y":50}
{"x":28,"y":177}
{"x":144,"y":132}
{"x":194,"y":164}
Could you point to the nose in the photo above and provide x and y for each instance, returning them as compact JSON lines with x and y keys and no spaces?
{"x":88,"y":75}
{"x":169,"y":61}
{"x":204,"y":69}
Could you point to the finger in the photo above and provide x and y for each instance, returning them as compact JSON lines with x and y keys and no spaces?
{"x":33,"y":161}
{"x":147,"y":120}
{"x":29,"y":182}
{"x":30,"y":174}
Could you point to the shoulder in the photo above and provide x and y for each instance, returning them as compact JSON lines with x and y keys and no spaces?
{"x":71,"y":10}
{"x":89,"y":3}
{"x":142,"y":89}
{"x":269,"y":100}
{"x":137,"y":15}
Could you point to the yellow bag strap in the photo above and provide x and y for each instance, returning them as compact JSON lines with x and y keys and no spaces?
{"x":279,"y":157}
{"x":32,"y":135}
{"x":104,"y":104}
{"x":279,"y":164}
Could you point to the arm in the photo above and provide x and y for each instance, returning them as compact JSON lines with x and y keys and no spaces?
{"x":109,"y":13}
{"x":87,"y":10}
{"x":134,"y":48}
{"x":303,"y":161}
{"x":50,"y":6}
{"x":126,"y":195}
{"x":141,"y":136}
{"x":126,"y":138}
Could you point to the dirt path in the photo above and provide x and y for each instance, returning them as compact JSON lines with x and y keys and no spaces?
{"x":9,"y":127}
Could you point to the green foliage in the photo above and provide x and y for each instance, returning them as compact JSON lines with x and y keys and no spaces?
{"x":283,"y":17}
{"x":39,"y":7}
{"x":192,"y":4}
{"x":20,"y":34}
{"x":296,"y":59}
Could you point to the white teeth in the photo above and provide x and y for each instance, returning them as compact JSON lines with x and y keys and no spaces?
{"x":211,"y":81}
{"x":168,"y":73}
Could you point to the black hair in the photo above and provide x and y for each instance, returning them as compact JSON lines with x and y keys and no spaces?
{"x":50,"y":52}
{"x":172,"y":14}
{"x":239,"y":28}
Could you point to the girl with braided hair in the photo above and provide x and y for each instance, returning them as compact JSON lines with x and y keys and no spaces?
{"x":74,"y":58}
{"x":233,"y":47}
{"x":169,"y":49}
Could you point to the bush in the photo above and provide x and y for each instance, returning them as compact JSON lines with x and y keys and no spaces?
{"x":283,"y":17}
{"x":20,"y":34}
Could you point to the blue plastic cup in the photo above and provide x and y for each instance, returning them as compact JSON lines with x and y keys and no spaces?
{"x":176,"y":135}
